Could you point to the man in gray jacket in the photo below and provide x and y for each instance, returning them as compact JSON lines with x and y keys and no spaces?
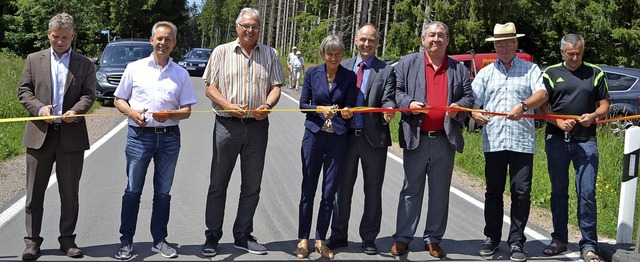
{"x":429,"y":138}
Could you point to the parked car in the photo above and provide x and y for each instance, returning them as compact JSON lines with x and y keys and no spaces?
{"x":195,"y":60}
{"x":624,"y":89}
{"x":114,"y":60}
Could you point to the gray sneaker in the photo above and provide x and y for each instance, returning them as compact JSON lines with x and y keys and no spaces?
{"x":210,"y":247}
{"x":488,"y":247}
{"x":249,"y":243}
{"x":517,"y":254}
{"x":164,"y":249}
{"x":125,"y":251}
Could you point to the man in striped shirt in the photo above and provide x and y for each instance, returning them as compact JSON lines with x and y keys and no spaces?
{"x":514,"y":87}
{"x":243,"y":80}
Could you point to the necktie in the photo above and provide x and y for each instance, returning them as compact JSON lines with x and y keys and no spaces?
{"x":360,"y":74}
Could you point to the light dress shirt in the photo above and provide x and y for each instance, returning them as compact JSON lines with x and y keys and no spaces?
{"x":298,"y":63}
{"x":499,"y":91}
{"x":292,"y":57}
{"x":143,"y":85}
{"x":241,"y":79}
{"x":59,"y":71}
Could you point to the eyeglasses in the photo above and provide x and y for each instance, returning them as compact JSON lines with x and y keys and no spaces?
{"x":252,"y":27}
{"x":505,"y":46}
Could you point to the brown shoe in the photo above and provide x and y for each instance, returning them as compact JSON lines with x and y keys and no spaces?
{"x":435,"y":250}
{"x":302,"y":251}
{"x":32,"y":250}
{"x":399,"y":248}
{"x":71,"y":250}
{"x":323,"y":250}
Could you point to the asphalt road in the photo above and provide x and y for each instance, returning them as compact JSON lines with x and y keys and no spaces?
{"x":276,"y":218}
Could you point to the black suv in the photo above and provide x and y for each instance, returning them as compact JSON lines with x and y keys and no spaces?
{"x":114,"y":60}
{"x":624,"y":88}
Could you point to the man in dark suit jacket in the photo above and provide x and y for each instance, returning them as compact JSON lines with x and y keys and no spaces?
{"x":429,"y":140}
{"x":369,"y":139}
{"x":55,"y":81}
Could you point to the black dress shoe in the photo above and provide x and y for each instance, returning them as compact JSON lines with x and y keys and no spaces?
{"x":333,"y":243}
{"x":369,"y":248}
{"x":71,"y":250}
{"x":31,"y":252}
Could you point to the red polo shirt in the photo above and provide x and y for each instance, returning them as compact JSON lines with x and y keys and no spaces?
{"x":436,"y":95}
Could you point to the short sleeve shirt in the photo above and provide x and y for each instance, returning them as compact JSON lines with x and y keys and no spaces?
{"x":241,"y":79}
{"x":292,"y":58}
{"x":499,"y":91}
{"x":143,"y":85}
{"x":575,"y":93}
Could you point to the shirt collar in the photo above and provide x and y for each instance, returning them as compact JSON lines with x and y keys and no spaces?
{"x":152,"y":62}
{"x":367,"y":62}
{"x":65,"y":55}
{"x":516,"y":61}
{"x":443,"y":65}
{"x":236,"y":45}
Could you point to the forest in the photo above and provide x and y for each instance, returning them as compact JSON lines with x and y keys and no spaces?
{"x":611,"y":28}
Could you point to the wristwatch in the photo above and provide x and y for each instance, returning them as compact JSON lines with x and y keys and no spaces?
{"x":525,"y":107}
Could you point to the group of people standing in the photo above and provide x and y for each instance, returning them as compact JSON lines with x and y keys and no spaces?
{"x":155,"y":94}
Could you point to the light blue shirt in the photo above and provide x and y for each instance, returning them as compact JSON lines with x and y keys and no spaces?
{"x":59,"y":71}
{"x":499,"y":91}
{"x":357,"y":121}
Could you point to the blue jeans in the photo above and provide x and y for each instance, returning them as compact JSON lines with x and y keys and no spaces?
{"x":142,"y":145}
{"x":584,"y":155}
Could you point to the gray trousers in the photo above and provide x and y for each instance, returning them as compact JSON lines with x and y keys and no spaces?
{"x":432,"y":162}
{"x":233,"y":137}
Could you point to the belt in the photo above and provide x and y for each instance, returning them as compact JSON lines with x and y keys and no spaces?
{"x":245,"y":120}
{"x":155,"y":129}
{"x":56,"y":126}
{"x":356,"y":132}
{"x":569,"y":138}
{"x":433,"y":134}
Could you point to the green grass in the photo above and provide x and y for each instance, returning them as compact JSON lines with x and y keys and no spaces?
{"x":11,"y":132}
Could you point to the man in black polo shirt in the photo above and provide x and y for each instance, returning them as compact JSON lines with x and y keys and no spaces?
{"x":575,"y":88}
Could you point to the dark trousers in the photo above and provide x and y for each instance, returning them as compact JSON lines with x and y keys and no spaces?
{"x":232,"y":137}
{"x":320,"y":151}
{"x":68,"y":171}
{"x":520,"y":168}
{"x":374,"y":161}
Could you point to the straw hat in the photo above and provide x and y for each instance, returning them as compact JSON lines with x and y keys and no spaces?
{"x":504,"y":31}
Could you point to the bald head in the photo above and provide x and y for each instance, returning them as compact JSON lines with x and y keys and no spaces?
{"x":367,"y":41}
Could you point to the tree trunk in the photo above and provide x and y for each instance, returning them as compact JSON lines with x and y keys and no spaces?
{"x":272,"y":18}
{"x":278,"y":25}
{"x":386,"y":27}
{"x":369,"y":7}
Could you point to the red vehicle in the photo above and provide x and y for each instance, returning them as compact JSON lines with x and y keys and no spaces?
{"x":474,"y":62}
